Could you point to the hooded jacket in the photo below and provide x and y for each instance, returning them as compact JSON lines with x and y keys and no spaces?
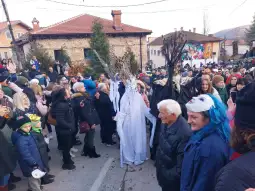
{"x":62,"y":111}
{"x":28,"y":153}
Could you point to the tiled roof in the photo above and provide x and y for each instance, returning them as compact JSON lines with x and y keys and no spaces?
{"x":190,"y":36}
{"x":82,"y":24}
{"x":3,"y":25}
{"x":240,"y":42}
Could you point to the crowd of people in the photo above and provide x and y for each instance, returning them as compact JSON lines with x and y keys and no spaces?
{"x":202,"y":137}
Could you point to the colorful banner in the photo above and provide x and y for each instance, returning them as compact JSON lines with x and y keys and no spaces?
{"x":197,"y":51}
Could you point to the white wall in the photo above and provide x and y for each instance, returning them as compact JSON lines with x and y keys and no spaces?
{"x":158,"y":60}
{"x":26,"y":48}
{"x":243,"y":48}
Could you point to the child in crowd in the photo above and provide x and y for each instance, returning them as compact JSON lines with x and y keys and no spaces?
{"x":28,"y":152}
{"x":36,"y":132}
{"x":219,"y":85}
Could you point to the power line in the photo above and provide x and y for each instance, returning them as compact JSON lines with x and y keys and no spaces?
{"x":238,"y":7}
{"x":107,"y":6}
{"x":146,"y":12}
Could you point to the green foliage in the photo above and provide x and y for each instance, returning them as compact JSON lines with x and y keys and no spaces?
{"x":132,"y":61}
{"x":42,"y":56}
{"x":250,"y":34}
{"x":98,"y":42}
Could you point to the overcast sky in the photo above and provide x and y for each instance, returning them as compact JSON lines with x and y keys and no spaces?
{"x":221,"y":14}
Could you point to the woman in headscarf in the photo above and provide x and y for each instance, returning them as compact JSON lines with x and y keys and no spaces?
{"x":207,"y":150}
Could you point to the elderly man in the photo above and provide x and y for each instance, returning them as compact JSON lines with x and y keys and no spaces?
{"x":174,"y":135}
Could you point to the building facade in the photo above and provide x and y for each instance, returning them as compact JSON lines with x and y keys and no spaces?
{"x":19,"y":28}
{"x":73,"y":35}
{"x":198,"y":49}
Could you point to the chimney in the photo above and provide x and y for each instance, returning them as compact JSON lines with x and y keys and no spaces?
{"x":194,"y":30}
{"x":116,"y":16}
{"x":189,"y":30}
{"x":210,"y":35}
{"x":175,"y":29}
{"x":181,"y":28}
{"x":35,"y":23}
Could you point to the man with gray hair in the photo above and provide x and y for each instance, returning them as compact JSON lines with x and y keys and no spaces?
{"x":174,"y":135}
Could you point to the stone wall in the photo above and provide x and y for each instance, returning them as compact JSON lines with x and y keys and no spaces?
{"x":75,"y":47}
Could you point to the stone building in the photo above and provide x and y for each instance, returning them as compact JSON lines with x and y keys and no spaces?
{"x":74,"y":34}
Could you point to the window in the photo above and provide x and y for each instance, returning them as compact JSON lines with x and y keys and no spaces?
{"x":57,"y":54}
{"x":158,"y":52}
{"x":87,"y":53}
{"x":151,"y":52}
{"x":19,"y":34}
{"x":155,"y":52}
{"x":8,"y":34}
{"x":6,"y":55}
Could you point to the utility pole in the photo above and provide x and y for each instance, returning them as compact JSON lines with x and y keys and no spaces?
{"x":15,"y":50}
{"x":224,"y":47}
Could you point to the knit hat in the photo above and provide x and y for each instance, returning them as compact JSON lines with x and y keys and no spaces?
{"x":245,"y":104}
{"x":184,"y":74}
{"x":21,"y":121}
{"x":4,"y":74}
{"x":200,"y":103}
{"x":34,"y":119}
{"x":217,"y":79}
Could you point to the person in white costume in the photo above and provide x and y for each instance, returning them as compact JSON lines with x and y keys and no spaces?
{"x":131,"y":125}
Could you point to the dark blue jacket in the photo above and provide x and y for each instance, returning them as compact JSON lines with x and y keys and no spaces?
{"x":172,"y":142}
{"x":28,"y":153}
{"x":90,"y":86}
{"x":202,"y":160}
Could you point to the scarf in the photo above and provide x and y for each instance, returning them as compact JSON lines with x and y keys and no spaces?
{"x":219,"y":123}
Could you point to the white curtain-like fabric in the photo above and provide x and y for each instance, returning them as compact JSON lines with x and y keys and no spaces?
{"x":114,"y":94}
{"x":131,"y":127}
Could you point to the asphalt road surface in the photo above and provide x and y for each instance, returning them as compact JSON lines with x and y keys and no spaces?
{"x":102,"y":174}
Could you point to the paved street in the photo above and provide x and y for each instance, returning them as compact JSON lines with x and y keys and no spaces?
{"x":102,"y":174}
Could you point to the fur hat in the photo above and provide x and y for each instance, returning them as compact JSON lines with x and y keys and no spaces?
{"x":245,"y":104}
{"x":217,"y":79}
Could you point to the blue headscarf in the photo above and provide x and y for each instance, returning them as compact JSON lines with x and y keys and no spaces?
{"x":219,"y":122}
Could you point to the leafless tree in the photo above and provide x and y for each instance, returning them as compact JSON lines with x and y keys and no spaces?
{"x":172,"y":50}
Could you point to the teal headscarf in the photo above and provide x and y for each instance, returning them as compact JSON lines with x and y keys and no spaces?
{"x":219,"y":122}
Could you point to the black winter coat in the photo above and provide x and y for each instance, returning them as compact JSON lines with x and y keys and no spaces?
{"x":42,"y":147}
{"x":170,"y":153}
{"x":84,"y":109}
{"x":62,"y":111}
{"x":238,"y":175}
{"x":104,"y":108}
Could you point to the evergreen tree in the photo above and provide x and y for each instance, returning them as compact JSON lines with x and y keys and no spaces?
{"x":42,"y":56}
{"x":250,"y":34}
{"x":98,"y":42}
